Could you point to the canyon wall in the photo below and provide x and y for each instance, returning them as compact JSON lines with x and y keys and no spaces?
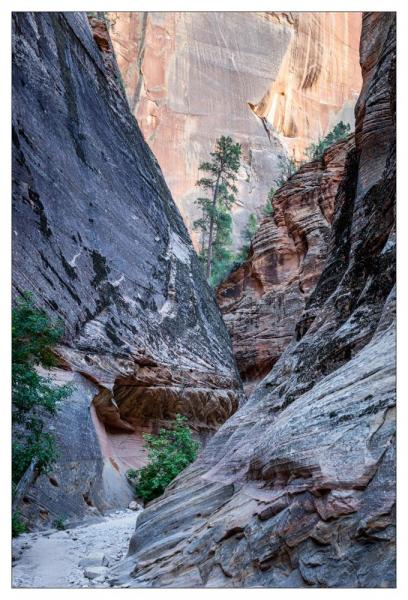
{"x":262,"y":299}
{"x":273,"y":81}
{"x":297,"y":488}
{"x":99,"y":241}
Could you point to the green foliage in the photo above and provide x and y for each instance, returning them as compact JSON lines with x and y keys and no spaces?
{"x":131,"y":473}
{"x":214,"y":224}
{"x":169,"y":453}
{"x":37,"y":445}
{"x":17,"y":525}
{"x":268,"y":208}
{"x":251,"y":228}
{"x":288,"y":167}
{"x":34,"y":336}
{"x":223,"y":256}
{"x":339,"y":132}
{"x":60,"y":522}
{"x":248,"y":235}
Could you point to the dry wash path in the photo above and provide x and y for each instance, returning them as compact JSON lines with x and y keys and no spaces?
{"x":52,"y":558}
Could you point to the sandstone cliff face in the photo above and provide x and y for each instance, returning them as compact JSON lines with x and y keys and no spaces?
{"x":99,"y":241}
{"x":274,"y":81}
{"x":298,"y":487}
{"x":263,"y":298}
{"x":318,"y":81}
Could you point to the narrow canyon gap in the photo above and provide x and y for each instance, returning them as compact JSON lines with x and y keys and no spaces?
{"x":295,"y":487}
{"x":99,"y":241}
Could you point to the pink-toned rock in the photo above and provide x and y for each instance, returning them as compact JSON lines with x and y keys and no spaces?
{"x":273,"y":81}
{"x":297,"y":488}
{"x":263,"y":298}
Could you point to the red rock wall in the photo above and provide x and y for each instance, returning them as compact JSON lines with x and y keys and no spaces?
{"x":297,"y":488}
{"x":262,"y":300}
{"x":273,"y":81}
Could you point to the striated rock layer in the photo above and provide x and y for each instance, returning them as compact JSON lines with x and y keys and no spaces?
{"x":263,"y":298}
{"x":273,"y":81}
{"x":298,"y":487}
{"x":99,"y":241}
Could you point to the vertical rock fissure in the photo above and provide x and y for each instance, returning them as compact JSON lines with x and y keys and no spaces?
{"x":139,"y":63}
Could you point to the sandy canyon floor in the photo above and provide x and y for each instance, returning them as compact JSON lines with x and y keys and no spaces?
{"x":60,"y":559}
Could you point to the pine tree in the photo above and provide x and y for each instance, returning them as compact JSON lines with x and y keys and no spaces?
{"x":220,"y":184}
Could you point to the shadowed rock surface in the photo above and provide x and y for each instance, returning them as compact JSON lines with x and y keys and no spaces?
{"x":263,"y":298}
{"x":298,"y":487}
{"x":99,"y":241}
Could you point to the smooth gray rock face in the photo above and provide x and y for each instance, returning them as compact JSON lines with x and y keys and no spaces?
{"x":297,"y":488}
{"x":74,"y":488}
{"x":99,"y":241}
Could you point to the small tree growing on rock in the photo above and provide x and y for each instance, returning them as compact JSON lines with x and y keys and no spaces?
{"x":220,"y":184}
{"x":339,"y":132}
{"x":268,"y":208}
{"x":169,"y":453}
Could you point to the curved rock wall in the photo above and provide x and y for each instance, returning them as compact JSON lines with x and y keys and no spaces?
{"x":192,"y":77}
{"x":319,"y":79}
{"x":298,"y":487}
{"x":263,"y":298}
{"x":99,"y":241}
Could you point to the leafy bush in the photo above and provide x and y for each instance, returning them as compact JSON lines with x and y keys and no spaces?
{"x":169,"y":453}
{"x":131,"y":474}
{"x":288,"y":167}
{"x":339,"y":132}
{"x":60,"y":522}
{"x":17,"y":525}
{"x":34,"y":336}
{"x":248,"y":235}
{"x":268,"y":208}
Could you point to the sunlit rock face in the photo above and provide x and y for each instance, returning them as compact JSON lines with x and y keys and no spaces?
{"x":297,"y":488}
{"x":263,"y":298}
{"x":99,"y":241}
{"x":319,"y":79}
{"x":273,"y":81}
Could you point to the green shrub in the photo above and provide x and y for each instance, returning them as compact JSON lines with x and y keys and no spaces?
{"x":288,"y":167}
{"x":131,"y":473}
{"x":169,"y":453}
{"x":60,"y":522}
{"x":17,"y":525}
{"x":268,"y":208}
{"x":34,"y":337}
{"x":339,"y":132}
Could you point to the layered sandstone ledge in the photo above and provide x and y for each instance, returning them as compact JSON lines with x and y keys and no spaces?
{"x":262,"y":300}
{"x":274,"y":81}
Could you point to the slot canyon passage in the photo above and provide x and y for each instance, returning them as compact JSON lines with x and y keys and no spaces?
{"x":285,"y":372}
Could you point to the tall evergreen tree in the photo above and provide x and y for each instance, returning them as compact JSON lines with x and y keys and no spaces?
{"x":220,"y":185}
